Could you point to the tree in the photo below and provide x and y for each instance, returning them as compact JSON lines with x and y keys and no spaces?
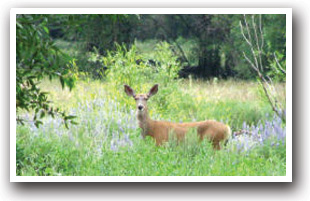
{"x":209,"y":32}
{"x":38,"y":57}
{"x":253,"y":34}
{"x":98,"y":33}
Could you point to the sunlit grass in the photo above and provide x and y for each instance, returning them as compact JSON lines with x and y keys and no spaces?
{"x":214,"y":90}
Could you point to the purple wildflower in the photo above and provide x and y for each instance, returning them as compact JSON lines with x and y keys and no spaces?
{"x":258,"y":135}
{"x":113,"y":146}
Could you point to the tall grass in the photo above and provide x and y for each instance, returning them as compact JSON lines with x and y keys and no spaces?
{"x":107,"y":140}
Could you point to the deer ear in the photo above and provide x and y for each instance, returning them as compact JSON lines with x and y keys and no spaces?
{"x":129,"y":91}
{"x":153,"y":90}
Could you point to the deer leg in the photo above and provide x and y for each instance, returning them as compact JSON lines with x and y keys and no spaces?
{"x":216,"y":145}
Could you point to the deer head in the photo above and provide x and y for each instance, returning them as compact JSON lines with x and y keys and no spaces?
{"x":141,"y":99}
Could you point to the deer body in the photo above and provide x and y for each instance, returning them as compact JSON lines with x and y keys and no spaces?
{"x":214,"y":131}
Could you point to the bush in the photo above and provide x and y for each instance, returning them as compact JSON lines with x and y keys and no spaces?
{"x":127,"y":66}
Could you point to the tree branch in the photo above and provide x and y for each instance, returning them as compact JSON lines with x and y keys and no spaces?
{"x":278,"y":64}
{"x":264,"y":79}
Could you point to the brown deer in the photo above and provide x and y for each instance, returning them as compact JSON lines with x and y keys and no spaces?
{"x":214,"y":131}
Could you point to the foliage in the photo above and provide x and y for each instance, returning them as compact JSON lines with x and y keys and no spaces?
{"x":211,"y":43}
{"x":91,"y":34}
{"x":38,"y":57}
{"x":127,"y":66}
{"x":277,"y":67}
{"x":274,"y":34}
{"x":253,"y":35}
{"x":94,"y":31}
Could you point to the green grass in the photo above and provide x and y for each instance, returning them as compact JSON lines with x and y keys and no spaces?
{"x":106,"y":118}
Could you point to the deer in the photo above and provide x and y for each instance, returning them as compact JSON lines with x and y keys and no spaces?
{"x":216,"y":132}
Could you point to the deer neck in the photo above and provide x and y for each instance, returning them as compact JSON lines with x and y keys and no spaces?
{"x":144,"y":122}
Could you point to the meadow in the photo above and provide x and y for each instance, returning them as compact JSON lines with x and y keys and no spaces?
{"x":106,"y":139}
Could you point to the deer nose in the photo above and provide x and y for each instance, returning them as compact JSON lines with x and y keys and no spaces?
{"x":140,"y":107}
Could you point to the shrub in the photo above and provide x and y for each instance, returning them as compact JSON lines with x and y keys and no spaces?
{"x":127,"y":66}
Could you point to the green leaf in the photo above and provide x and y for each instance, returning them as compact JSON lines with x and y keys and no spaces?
{"x":62,"y":82}
{"x":42,"y":114}
{"x":73,"y":122}
{"x":69,"y":117}
{"x":37,"y":123}
{"x":66,"y":125}
{"x":46,"y":29}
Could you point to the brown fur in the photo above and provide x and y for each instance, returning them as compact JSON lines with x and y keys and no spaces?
{"x":214,"y":131}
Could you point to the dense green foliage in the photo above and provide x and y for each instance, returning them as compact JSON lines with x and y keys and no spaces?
{"x":211,"y":44}
{"x":37,"y":57}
